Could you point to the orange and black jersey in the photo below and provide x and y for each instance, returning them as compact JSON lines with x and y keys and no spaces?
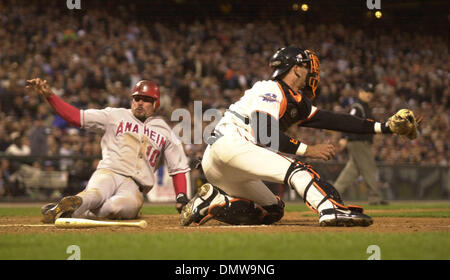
{"x":294,"y":108}
{"x":297,"y":109}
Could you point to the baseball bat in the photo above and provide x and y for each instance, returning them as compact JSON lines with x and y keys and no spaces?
{"x":86,"y":223}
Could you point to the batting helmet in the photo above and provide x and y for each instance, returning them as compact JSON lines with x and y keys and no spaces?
{"x":147,"y":88}
{"x":285,"y":58}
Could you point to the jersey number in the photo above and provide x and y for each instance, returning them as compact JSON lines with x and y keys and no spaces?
{"x":154,"y":157}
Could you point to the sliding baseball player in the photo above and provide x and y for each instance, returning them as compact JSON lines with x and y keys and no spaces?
{"x":135,"y":143}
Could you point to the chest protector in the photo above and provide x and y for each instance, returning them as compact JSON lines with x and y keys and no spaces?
{"x":295,"y":107}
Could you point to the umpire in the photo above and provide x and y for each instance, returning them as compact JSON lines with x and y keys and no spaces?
{"x":359,"y":146}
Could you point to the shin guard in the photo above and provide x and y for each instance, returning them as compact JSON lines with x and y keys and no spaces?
{"x":316,"y":192}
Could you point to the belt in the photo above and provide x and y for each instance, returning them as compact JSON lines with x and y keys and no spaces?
{"x":246,"y":120}
{"x":214,"y":137}
{"x":216,"y":134}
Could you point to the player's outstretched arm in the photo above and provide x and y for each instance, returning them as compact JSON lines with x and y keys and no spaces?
{"x":66,"y":111}
{"x":401,"y":123}
{"x":324,"y":119}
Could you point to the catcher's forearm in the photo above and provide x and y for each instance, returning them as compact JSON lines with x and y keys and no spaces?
{"x":345,"y":123}
{"x":66,"y":111}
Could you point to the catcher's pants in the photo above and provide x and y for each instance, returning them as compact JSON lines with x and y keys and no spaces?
{"x":238,"y":167}
{"x":110,"y":195}
{"x":361,"y":162}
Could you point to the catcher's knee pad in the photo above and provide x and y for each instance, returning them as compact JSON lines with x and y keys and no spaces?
{"x":274,"y":213}
{"x":239,"y":211}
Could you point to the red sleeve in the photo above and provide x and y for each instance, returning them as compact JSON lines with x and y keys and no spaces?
{"x":179,"y":183}
{"x":66,"y":111}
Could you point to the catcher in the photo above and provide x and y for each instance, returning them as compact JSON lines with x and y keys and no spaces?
{"x":240,"y":156}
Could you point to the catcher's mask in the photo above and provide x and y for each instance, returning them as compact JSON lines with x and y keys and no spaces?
{"x":283,"y":60}
{"x":147,"y":88}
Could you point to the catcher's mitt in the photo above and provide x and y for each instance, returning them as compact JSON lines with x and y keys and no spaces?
{"x":404,"y":123}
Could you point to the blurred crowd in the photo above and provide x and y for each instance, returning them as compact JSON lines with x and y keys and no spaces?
{"x":93,"y":61}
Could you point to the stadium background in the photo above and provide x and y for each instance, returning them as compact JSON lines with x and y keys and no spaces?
{"x":213,"y":51}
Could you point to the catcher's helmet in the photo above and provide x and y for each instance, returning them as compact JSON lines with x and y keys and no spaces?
{"x":285,"y":58}
{"x":147,"y":88}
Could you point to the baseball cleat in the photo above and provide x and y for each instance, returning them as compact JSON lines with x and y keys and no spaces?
{"x":47,"y":207}
{"x":197,"y":207}
{"x":66,"y":206}
{"x":343,"y":217}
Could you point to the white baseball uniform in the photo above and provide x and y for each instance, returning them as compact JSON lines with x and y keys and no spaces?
{"x":238,"y":166}
{"x":131,"y":153}
{"x":234,"y":163}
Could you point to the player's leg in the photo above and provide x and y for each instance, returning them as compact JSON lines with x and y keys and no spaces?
{"x":253,"y":203}
{"x":238,"y":198}
{"x":347,"y":176}
{"x":213,"y":203}
{"x":365,"y":161}
{"x":101,"y":186}
{"x":124,"y":204}
{"x":323,"y":198}
{"x":230,"y":158}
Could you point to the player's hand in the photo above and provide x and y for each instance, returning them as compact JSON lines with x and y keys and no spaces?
{"x":40,"y":86}
{"x":320,"y":151}
{"x":182,"y":200}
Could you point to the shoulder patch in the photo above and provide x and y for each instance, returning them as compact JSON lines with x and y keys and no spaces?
{"x":269,"y":97}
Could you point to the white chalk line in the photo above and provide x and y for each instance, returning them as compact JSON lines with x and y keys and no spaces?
{"x":200,"y":227}
{"x":25,"y":225}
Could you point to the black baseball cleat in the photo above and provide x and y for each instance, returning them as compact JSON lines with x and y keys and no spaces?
{"x":64,"y":208}
{"x":197,"y":208}
{"x":339,"y":217}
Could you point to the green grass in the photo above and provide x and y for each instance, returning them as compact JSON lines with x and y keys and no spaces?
{"x":229,"y":246}
{"x":15,"y":212}
{"x":232,"y":245}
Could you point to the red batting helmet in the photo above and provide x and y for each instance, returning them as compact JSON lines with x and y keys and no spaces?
{"x":147,"y":88}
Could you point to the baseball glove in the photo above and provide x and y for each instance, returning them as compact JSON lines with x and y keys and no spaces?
{"x":404,"y":123}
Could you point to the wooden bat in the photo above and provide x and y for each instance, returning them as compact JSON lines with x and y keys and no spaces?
{"x":86,"y":223}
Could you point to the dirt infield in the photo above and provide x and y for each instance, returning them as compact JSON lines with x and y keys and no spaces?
{"x":292,"y":222}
